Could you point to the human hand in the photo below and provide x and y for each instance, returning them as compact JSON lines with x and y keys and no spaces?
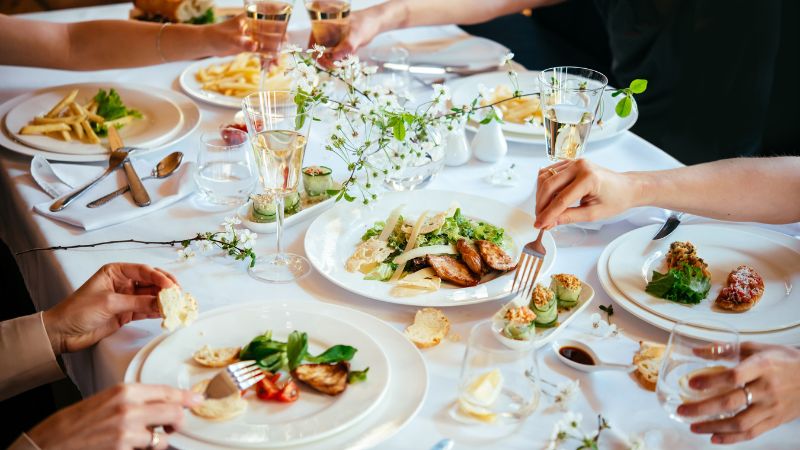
{"x":112,"y":297}
{"x":365,"y":24}
{"x":121,"y":417}
{"x":600,"y":192}
{"x":770,"y":374}
{"x":228,"y":37}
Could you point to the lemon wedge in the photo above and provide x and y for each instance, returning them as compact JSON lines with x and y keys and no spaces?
{"x":480,"y":394}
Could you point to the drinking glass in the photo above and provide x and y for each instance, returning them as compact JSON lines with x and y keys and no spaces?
{"x":686,"y":356}
{"x":278,"y":135}
{"x":571,"y":98}
{"x":330,"y":21}
{"x":395,"y":79}
{"x":266,"y":23}
{"x":498,"y":385}
{"x":225,"y":173}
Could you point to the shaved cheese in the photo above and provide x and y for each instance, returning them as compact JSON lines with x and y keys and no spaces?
{"x":419,"y":282}
{"x":391,"y":222}
{"x":368,"y":252}
{"x":412,"y":242}
{"x":404,"y":257}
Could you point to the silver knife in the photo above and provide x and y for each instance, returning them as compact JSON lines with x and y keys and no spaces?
{"x":669,"y":226}
{"x":140,"y":195}
{"x":422,"y":69}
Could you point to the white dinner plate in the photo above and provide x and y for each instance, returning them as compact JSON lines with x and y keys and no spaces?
{"x":161,"y":118}
{"x":189,"y":111}
{"x":334,"y":235}
{"x":466,"y":89}
{"x":543,"y":335}
{"x":270,"y":424}
{"x":723,"y":247}
{"x":403,"y":400}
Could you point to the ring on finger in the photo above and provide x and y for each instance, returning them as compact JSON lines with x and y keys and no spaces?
{"x":553,"y":171}
{"x":748,"y":396}
{"x":154,"y":439}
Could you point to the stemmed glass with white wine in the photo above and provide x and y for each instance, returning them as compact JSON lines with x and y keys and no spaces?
{"x":266,"y":23}
{"x":571,"y":98}
{"x":687,"y":356}
{"x":278,"y":135}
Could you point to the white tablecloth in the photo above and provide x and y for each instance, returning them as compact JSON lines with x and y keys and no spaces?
{"x":630,"y":410}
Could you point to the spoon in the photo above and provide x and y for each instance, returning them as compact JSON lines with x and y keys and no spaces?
{"x":598,"y":365}
{"x":163,"y":169}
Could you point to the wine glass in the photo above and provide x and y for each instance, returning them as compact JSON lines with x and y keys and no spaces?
{"x":330,"y":21}
{"x":278,"y":136}
{"x":571,"y":98}
{"x":687,"y":356}
{"x":498,"y":385}
{"x":266,"y":23}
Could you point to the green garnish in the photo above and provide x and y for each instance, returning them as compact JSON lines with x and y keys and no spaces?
{"x":204,"y":19}
{"x":686,"y":285}
{"x":357,"y":376}
{"x":625,"y":104}
{"x":110,"y":107}
{"x":272,"y":355}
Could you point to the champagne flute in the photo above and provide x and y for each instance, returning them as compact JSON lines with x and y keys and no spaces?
{"x":330,"y":21}
{"x":278,"y":135}
{"x":266,"y":23}
{"x":686,"y":357}
{"x":571,"y":98}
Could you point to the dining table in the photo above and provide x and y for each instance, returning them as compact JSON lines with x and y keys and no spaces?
{"x":633,"y":413}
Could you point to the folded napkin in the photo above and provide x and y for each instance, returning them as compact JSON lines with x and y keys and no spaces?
{"x":58,"y":179}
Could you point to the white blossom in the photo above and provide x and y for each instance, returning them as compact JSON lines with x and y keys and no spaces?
{"x":571,"y":421}
{"x":186,"y":254}
{"x":291,"y":48}
{"x":230,"y":223}
{"x":565,"y":392}
{"x":205,"y":246}
{"x":316,"y":51}
{"x":246,"y":238}
{"x":507,"y":59}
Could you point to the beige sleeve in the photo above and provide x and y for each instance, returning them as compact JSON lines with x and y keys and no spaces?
{"x":24,"y":442}
{"x":26,"y":357}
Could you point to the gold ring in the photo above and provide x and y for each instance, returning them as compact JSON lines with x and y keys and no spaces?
{"x":748,"y":396}
{"x":154,"y":439}
{"x":553,"y":171}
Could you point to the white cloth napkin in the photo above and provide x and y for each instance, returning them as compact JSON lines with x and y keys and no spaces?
{"x":57,"y":179}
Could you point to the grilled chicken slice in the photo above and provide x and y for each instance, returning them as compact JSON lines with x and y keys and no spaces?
{"x":453,"y":270}
{"x":471,"y":257}
{"x":416,"y":264}
{"x":494,"y":256}
{"x":329,"y":379}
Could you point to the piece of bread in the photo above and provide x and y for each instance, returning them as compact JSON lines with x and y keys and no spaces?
{"x":429,"y":328}
{"x":218,"y":408}
{"x":648,"y":362}
{"x":744,"y":289}
{"x":177,"y":308}
{"x":216,"y":357}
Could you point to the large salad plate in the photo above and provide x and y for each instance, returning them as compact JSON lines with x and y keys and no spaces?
{"x":334,"y":235}
{"x":401,"y":402}
{"x":788,"y":335}
{"x":464,"y":90}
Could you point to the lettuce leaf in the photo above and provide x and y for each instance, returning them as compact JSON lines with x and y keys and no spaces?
{"x":686,"y":285}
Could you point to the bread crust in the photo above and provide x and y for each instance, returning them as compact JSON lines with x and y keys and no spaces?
{"x":648,"y":363}
{"x":437,"y":324}
{"x":744,"y":289}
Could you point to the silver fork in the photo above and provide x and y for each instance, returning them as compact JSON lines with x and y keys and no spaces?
{"x":234,"y":379}
{"x":531,"y":260}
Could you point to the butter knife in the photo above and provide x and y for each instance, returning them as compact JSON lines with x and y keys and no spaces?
{"x":140,"y":195}
{"x":116,"y":159}
{"x":669,"y":226}
{"x":421,"y":69}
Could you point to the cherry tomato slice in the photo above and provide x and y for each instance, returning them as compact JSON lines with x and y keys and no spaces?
{"x":289,"y":393}
{"x":266,"y":389}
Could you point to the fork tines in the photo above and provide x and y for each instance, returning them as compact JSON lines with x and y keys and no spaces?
{"x":528,"y":267}
{"x":235,"y":378}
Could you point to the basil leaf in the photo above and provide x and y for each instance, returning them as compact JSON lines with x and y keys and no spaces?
{"x":357,"y":376}
{"x":271,"y":363}
{"x":638,"y":86}
{"x":296,"y":349}
{"x":261,"y":347}
{"x":335,"y":354}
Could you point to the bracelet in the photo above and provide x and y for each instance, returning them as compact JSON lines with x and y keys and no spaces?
{"x":158,"y":41}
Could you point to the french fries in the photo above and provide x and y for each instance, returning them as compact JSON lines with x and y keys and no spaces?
{"x":518,"y":110}
{"x":69,"y":120}
{"x":241,"y":76}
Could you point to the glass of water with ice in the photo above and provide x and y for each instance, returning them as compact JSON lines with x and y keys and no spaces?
{"x":225,"y":170}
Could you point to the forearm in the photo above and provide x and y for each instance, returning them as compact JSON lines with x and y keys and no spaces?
{"x":744,"y":189}
{"x":27,"y":355}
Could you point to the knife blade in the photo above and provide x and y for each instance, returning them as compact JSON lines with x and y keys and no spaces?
{"x":140,"y":195}
{"x":422,"y":69}
{"x":669,"y":226}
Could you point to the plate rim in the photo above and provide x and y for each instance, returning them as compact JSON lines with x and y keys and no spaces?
{"x":220,"y":100}
{"x":442,"y":303}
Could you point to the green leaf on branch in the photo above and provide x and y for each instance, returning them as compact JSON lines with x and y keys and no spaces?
{"x":624,"y":106}
{"x":638,"y":86}
{"x":616,"y":93}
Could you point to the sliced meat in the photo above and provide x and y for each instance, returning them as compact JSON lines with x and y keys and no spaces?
{"x":452,"y":270}
{"x":471,"y":257}
{"x":494,"y":256}
{"x":416,"y":264}
{"x":329,"y":379}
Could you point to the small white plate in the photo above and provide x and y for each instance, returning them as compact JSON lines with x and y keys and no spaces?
{"x":466,"y":89}
{"x":334,"y":235}
{"x":402,"y":403}
{"x":161,"y":120}
{"x":723,"y":247}
{"x":308,"y":210}
{"x":191,"y":119}
{"x":543,"y":335}
{"x":270,"y":424}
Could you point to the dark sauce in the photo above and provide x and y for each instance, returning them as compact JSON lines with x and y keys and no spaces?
{"x":576,"y":354}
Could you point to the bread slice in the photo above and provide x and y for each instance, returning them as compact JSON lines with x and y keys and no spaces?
{"x":744,"y":289}
{"x":648,"y":362}
{"x":429,"y":328}
{"x":218,"y":408}
{"x":177,"y":308}
{"x":216,"y":357}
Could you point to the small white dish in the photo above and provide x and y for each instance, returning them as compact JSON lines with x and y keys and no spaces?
{"x":307,"y":210}
{"x":598,"y":365}
{"x":542,"y":335}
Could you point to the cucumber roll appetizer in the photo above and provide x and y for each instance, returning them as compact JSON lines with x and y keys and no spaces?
{"x":264,"y":207}
{"x":519,"y":323}
{"x":317,"y":180}
{"x":567,"y":289}
{"x":543,"y":303}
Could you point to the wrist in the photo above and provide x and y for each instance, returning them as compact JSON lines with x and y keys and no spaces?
{"x":393,"y":15}
{"x":50,"y":320}
{"x":642,"y":185}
